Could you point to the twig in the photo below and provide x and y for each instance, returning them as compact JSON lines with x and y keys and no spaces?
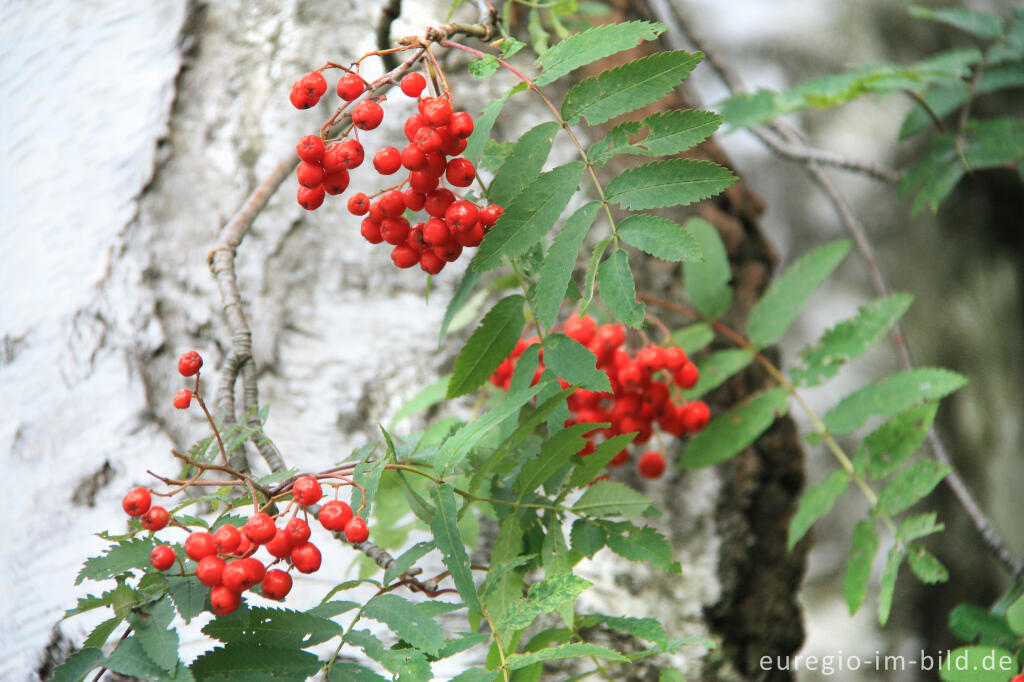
{"x":804,"y":154}
{"x":392,"y":10}
{"x":990,"y":538}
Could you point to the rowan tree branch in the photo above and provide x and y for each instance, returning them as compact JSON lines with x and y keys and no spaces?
{"x":990,"y":537}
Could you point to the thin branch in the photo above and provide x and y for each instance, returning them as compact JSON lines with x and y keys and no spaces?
{"x":986,"y":530}
{"x":804,"y":154}
{"x":392,"y":10}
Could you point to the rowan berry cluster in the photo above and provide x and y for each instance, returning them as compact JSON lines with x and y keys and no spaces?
{"x":436,"y":136}
{"x":225,"y":560}
{"x":639,"y":399}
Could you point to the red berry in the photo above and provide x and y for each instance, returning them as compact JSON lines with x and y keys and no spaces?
{"x":415,"y":238}
{"x":453,"y":146}
{"x":189,"y":363}
{"x":334,"y":515}
{"x":237,"y":576}
{"x":695,"y":416}
{"x":297,"y":530}
{"x":255,"y":568}
{"x":352,"y":153}
{"x":450,"y":253}
{"x":310,"y":175}
{"x":649,"y":359}
{"x":461,"y":215}
{"x":472,"y":236}
{"x":412,"y":126}
{"x":356,"y":530}
{"x":155,"y":518}
{"x":412,"y":84}
{"x":431,"y":263}
{"x":307,"y":490}
{"x":1017,"y":678}
{"x":244,"y":545}
{"x":276,"y":584}
{"x":162,"y":557}
{"x":610,"y":335}
{"x":387,"y":161}
{"x":490,"y":214}
{"x":350,"y":86}
{"x":280,"y":545}
{"x":367,"y":115}
{"x":224,"y":600}
{"x":651,"y":464}
{"x":414,"y":201}
{"x":392,"y":203}
{"x":311,"y":148}
{"x":460,"y":172}
{"x":311,"y":198}
{"x":209,"y":570}
{"x":394,"y":230}
{"x":199,"y":544}
{"x":315,"y":82}
{"x":435,"y":164}
{"x":413,"y":158}
{"x":182,"y":399}
{"x":306,"y":558}
{"x":404,"y":256}
{"x":428,"y":139}
{"x":260,"y":528}
{"x":358,"y":204}
{"x":436,"y":232}
{"x":687,"y":375}
{"x":226,"y":539}
{"x":336,"y":183}
{"x":675,"y":358}
{"x":438,"y":111}
{"x":333,"y":159}
{"x":370,"y":229}
{"x":136,"y":502}
{"x":461,"y":125}
{"x":438,"y":201}
{"x":422,"y":182}
{"x":619,"y":459}
{"x":299,"y":98}
{"x":581,"y":329}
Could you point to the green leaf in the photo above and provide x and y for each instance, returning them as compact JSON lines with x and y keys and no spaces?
{"x":119,"y":558}
{"x":864,"y":547}
{"x":618,"y":290}
{"x":406,"y":621}
{"x":484,"y":67}
{"x":693,"y":337}
{"x":78,"y":665}
{"x":576,"y":650}
{"x":528,"y":217}
{"x":669,"y":132}
{"x":523,"y":164}
{"x":1015,"y":616}
{"x":476,"y":675}
{"x":538,"y":36}
{"x":641,"y":628}
{"x":628,"y":87}
{"x":591,"y":274}
{"x":591,"y":45}
{"x":641,"y":544}
{"x":784,"y":300}
{"x":594,"y":463}
{"x":888,"y":446}
{"x":587,"y":537}
{"x":449,"y":541}
{"x":729,"y":433}
{"x":660,"y":237}
{"x":979,"y":24}
{"x":574,"y":363}
{"x":502,"y":588}
{"x":466,"y":284}
{"x":556,"y":270}
{"x":429,"y":396}
{"x":484,"y":123}
{"x":978,"y":664}
{"x":554,"y":454}
{"x":675,"y":182}
{"x":344,"y":671}
{"x":816,"y":502}
{"x":254,"y":662}
{"x":707,"y":281}
{"x":130,"y":659}
{"x":489,"y":345}
{"x":367,"y":474}
{"x":607,"y":498}
{"x":887,"y":584}
{"x":158,"y":640}
{"x":457,"y":447}
{"x":910,"y":485}
{"x":968,"y":622}
{"x":850,"y":338}
{"x":717,"y":368}
{"x":189,"y":595}
{"x":101,"y":633}
{"x":543,"y":597}
{"x":407,"y":559}
{"x":748,"y":109}
{"x":918,"y":526}
{"x":330,"y":609}
{"x":667,"y":675}
{"x":272,"y":627}
{"x":892,"y":395}
{"x":926,"y":566}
